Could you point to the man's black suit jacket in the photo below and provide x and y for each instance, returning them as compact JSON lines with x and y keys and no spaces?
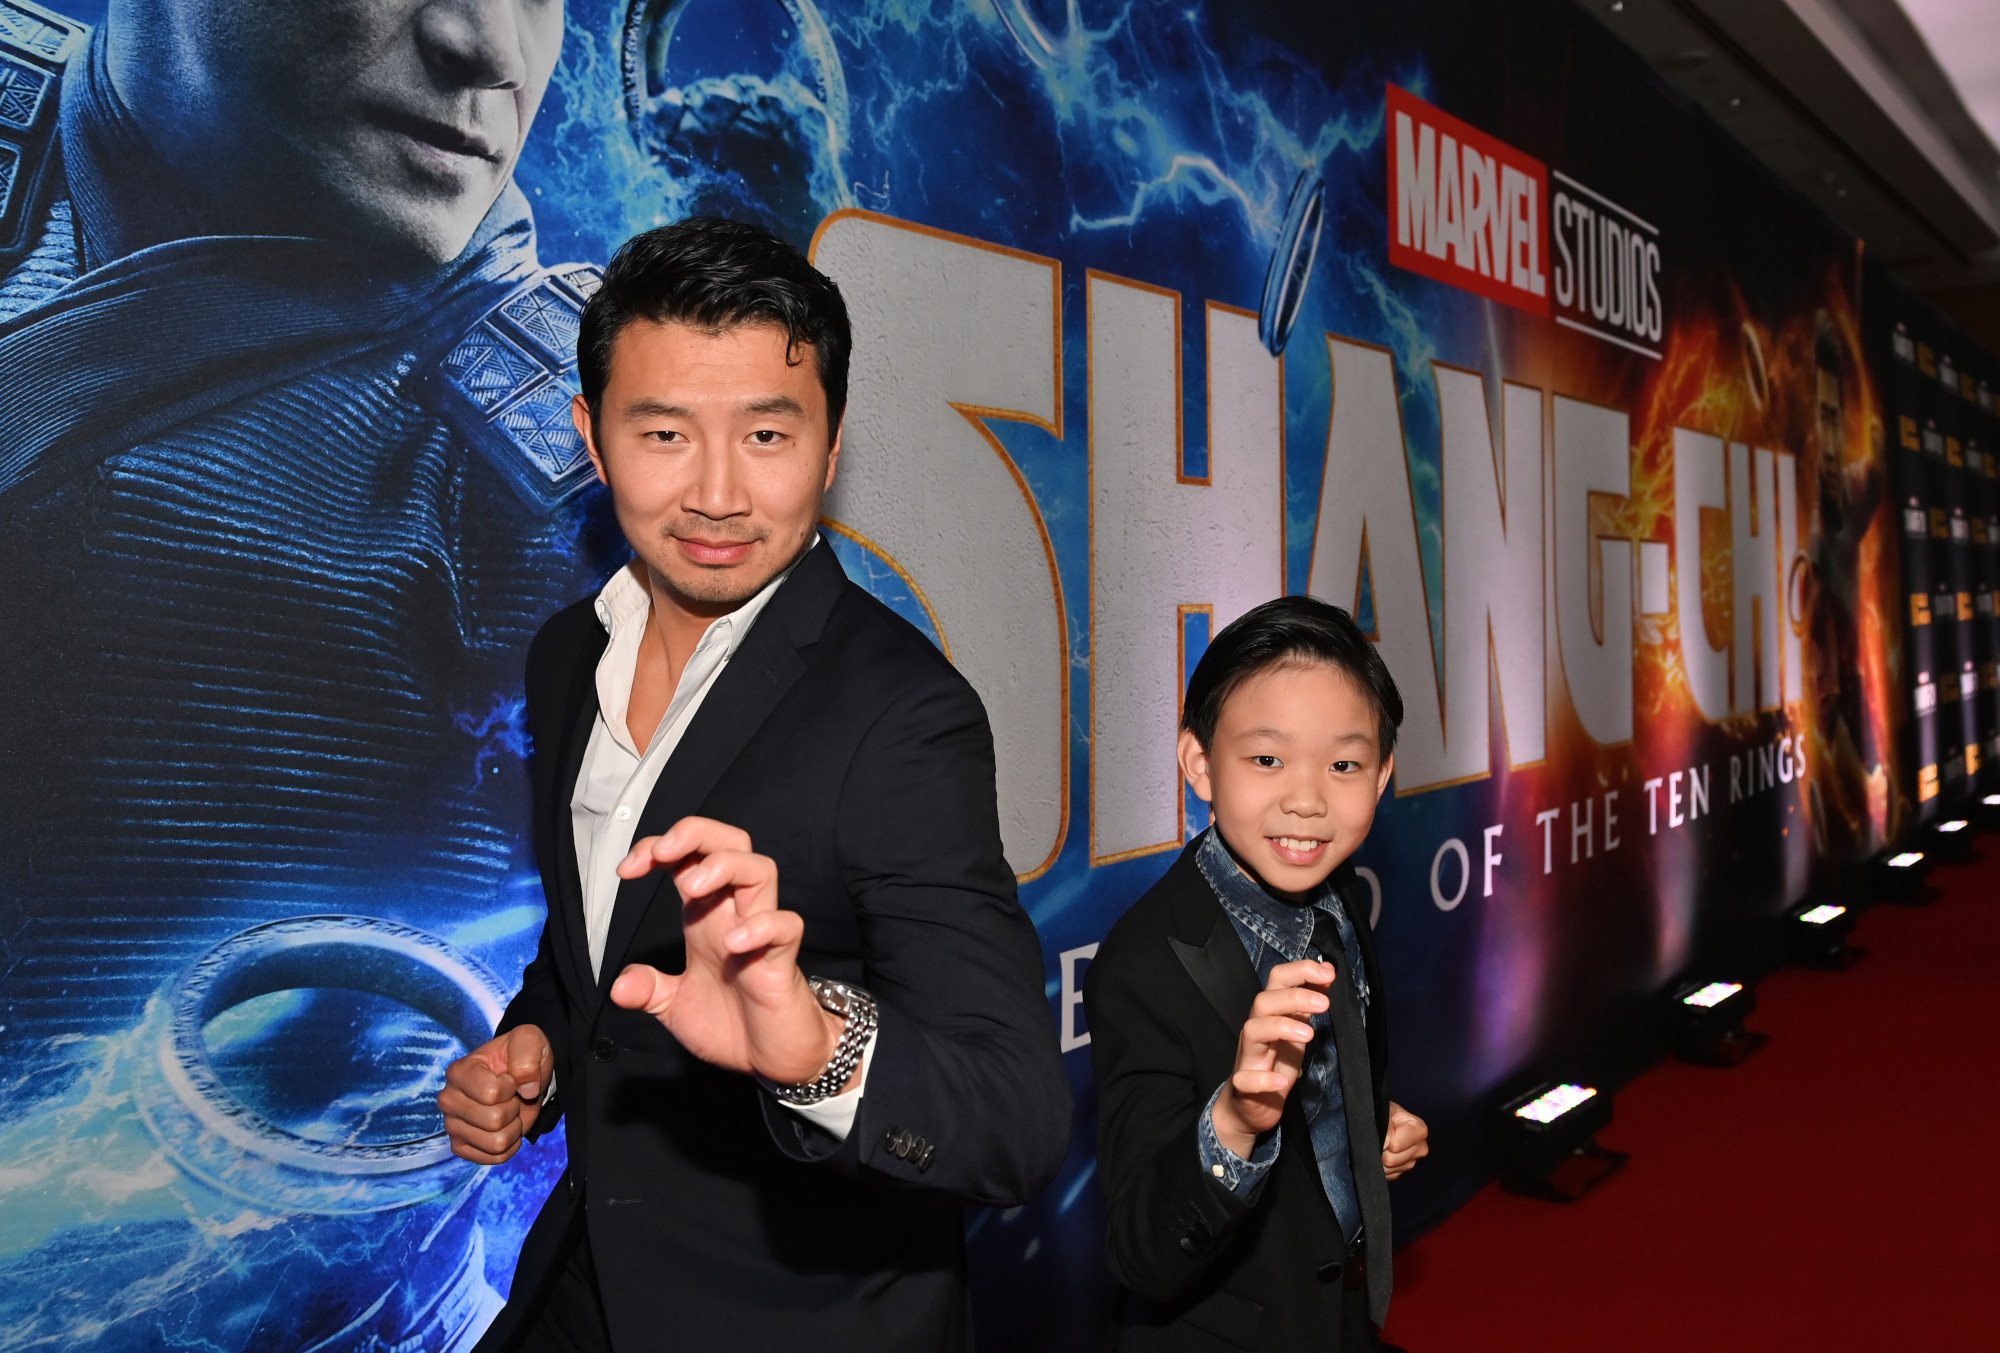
{"x":1167,"y":995}
{"x":859,"y":759}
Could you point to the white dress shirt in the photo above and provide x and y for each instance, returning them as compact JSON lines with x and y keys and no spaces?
{"x":617,"y":778}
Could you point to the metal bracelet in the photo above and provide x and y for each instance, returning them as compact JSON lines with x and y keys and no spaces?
{"x":857,"y":1007}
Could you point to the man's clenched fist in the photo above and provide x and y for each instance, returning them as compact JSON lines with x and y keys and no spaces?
{"x":493,"y":1094}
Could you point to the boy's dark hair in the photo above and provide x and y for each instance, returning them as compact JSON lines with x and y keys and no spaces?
{"x":1288,"y":632}
{"x":715,"y":275}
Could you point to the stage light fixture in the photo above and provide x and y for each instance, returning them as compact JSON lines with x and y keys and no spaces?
{"x":1705,"y":1023}
{"x":1548,"y":1140}
{"x":1952,"y":841}
{"x":1816,"y":935}
{"x":1900,"y":877}
{"x":1987,"y":812}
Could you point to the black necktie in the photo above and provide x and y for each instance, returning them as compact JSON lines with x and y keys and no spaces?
{"x":1357,"y":1090}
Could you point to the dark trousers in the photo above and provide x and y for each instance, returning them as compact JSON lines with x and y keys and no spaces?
{"x":1357,"y":1332}
{"x":571,"y":1319}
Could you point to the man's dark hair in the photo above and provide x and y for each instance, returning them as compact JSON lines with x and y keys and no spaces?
{"x":716,"y":275}
{"x":1290,"y":632}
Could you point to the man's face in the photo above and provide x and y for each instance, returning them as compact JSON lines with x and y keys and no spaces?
{"x":394,"y":122}
{"x":1829,"y":407}
{"x":1293,"y":773}
{"x":717,"y":453}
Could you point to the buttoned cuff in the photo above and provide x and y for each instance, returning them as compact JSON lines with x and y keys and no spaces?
{"x":835,"y":1114}
{"x":1241,"y":1177}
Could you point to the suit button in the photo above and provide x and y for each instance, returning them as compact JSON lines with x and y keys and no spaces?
{"x":1188,"y":1247}
{"x":889,"y":1139}
{"x":924,"y":1156}
{"x":603,"y":1049}
{"x":1329,"y":1272}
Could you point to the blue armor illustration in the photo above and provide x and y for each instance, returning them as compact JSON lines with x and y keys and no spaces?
{"x":279,"y":513}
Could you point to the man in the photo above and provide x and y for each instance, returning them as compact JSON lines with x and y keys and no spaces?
{"x":1851,"y":781}
{"x":783,"y":1073}
{"x":285,"y":473}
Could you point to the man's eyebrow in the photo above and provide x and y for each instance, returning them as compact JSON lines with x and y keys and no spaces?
{"x":647,"y":407}
{"x":772,"y":404}
{"x":1272,"y":734}
{"x":1347,"y":739}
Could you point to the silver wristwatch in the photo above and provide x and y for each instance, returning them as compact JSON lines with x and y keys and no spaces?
{"x":857,"y":1007}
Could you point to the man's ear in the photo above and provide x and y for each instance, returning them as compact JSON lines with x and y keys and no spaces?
{"x":579,"y":414}
{"x":1382,"y":778}
{"x":1193,"y":758}
{"x":833,"y":456}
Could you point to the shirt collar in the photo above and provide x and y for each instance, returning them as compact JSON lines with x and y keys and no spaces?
{"x":1285,"y":926}
{"x":624,"y":601}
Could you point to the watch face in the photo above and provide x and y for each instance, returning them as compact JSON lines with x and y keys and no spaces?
{"x":838,"y":997}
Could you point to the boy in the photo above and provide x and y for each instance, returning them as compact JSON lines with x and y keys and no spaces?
{"x":1237,"y":1028}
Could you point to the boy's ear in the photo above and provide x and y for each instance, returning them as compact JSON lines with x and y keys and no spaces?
{"x":1382,"y":778}
{"x":1194,"y":766}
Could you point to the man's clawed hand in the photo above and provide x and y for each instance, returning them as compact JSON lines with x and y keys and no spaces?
{"x":742,"y":1003}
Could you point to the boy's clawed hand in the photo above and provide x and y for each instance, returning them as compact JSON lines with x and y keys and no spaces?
{"x":1408,"y":1141}
{"x":1270,"y":1053}
{"x":1270,"y":1057}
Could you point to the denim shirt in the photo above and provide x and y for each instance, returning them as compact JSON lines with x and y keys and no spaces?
{"x":1272,"y":932}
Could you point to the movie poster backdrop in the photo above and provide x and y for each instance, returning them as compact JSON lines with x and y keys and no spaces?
{"x":1938,"y":388}
{"x":1441,"y":311}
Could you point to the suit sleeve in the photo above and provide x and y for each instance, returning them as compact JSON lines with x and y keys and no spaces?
{"x":540,"y":1000}
{"x":1170,"y":1225}
{"x":540,"y":1003}
{"x":966,"y":1095}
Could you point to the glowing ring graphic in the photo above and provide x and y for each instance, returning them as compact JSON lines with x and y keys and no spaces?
{"x":1036,"y":42}
{"x":1290,"y":272}
{"x":218,"y":1139}
{"x":1756,"y":375}
{"x":648,"y":32}
{"x":1798,"y":580}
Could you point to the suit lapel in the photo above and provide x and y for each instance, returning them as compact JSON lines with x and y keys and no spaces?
{"x":1348,"y":887}
{"x":758,"y":675}
{"x":1208,"y":947}
{"x":566,"y":763}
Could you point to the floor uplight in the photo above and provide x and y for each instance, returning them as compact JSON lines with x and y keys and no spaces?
{"x":1900,"y":877}
{"x":1705,"y":1023}
{"x":1549,"y":1142}
{"x":1816,"y":935}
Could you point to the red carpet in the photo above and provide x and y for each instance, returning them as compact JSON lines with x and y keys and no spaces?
{"x":1837,"y":1191}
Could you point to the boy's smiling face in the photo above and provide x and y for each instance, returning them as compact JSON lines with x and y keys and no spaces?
{"x":1292,"y":772}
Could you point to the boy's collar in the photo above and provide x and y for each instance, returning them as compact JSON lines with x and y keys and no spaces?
{"x":1281,"y":920}
{"x":1215,"y":856}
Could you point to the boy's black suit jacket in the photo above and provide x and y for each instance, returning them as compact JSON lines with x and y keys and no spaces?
{"x":1167,"y":995}
{"x":859,"y":759}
